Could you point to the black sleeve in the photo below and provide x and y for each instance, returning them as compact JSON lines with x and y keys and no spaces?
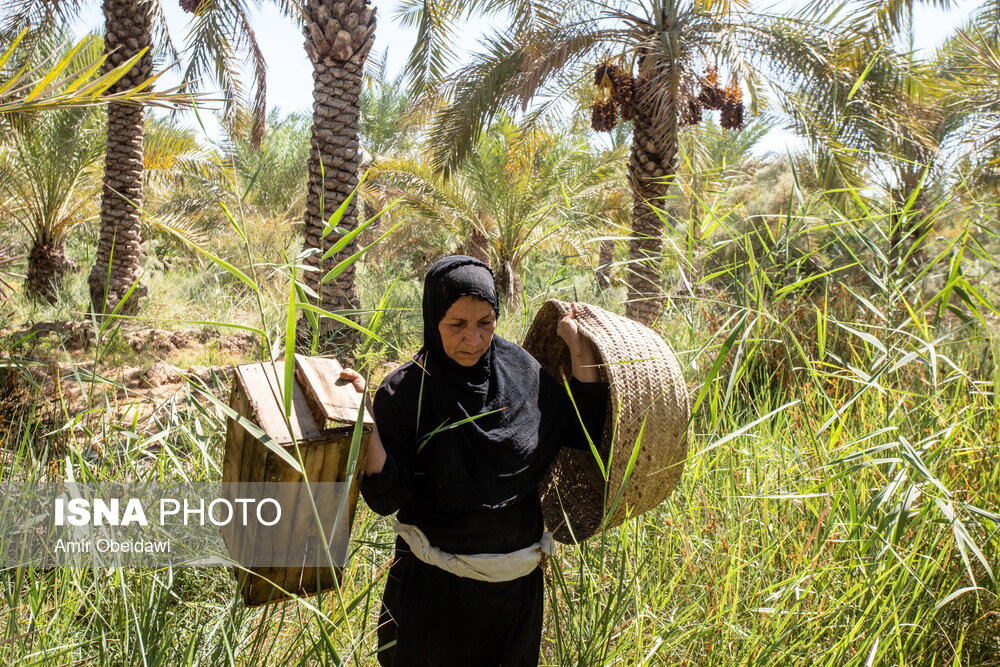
{"x":388,"y":490}
{"x":591,"y":399}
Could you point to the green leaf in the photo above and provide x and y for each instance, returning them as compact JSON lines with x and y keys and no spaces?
{"x":447,"y":426}
{"x":628,"y":470}
{"x":216,"y":259}
{"x":12,"y":49}
{"x":346,"y":239}
{"x":746,"y":427}
{"x":342,"y":266}
{"x":717,"y":366}
{"x":955,"y":594}
{"x":867,"y":337}
{"x":251,"y":428}
{"x":53,"y":73}
{"x":342,"y":209}
{"x":232,"y":222}
{"x":122,"y":301}
{"x":288,"y":389}
{"x":308,"y":307}
{"x":590,"y":442}
{"x":864,"y":74}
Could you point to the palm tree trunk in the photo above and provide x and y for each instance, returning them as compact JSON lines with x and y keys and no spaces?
{"x":605,"y":256}
{"x":510,"y":284}
{"x":128,"y":30}
{"x":46,"y":268}
{"x":478,"y":245}
{"x":339,"y":36}
{"x":652,"y":165}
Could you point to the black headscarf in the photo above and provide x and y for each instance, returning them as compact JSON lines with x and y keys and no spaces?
{"x":449,"y":279}
{"x":495,"y":459}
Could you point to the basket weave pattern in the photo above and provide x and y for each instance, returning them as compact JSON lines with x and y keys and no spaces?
{"x":646,"y":387}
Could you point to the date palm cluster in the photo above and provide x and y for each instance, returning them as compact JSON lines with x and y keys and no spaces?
{"x":615,"y":96}
{"x":615,"y":99}
{"x":192,"y":6}
{"x":728,"y":101}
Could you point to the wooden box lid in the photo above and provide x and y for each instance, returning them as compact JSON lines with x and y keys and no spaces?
{"x":322,"y":403}
{"x":334,"y":402}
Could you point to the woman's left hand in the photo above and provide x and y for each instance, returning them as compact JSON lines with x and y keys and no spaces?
{"x":569,"y":329}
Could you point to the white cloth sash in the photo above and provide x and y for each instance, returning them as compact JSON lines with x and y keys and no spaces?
{"x":483,"y":567}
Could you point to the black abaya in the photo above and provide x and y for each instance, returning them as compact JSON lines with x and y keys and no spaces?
{"x":437,"y":618}
{"x":471,"y":489}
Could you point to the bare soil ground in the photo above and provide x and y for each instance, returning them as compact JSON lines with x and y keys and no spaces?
{"x":46,"y":363}
{"x":79,"y":336}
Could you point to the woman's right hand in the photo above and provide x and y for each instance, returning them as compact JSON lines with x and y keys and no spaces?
{"x":376,"y":452}
{"x":355,"y":378}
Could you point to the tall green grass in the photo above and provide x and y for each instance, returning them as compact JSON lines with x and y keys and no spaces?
{"x":839,"y":505}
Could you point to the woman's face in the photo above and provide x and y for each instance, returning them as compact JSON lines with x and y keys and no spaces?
{"x":467,"y":330}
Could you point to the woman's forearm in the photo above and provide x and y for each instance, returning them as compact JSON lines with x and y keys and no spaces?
{"x":375,"y":460}
{"x":584,"y":359}
{"x":376,"y":454}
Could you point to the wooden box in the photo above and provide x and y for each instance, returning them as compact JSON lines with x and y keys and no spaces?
{"x":324,"y":412}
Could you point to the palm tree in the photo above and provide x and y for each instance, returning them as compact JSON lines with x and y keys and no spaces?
{"x":46,"y":179}
{"x":130,"y":28}
{"x":662,"y":74}
{"x":896,"y":119}
{"x":222,"y":42}
{"x":114,"y":278}
{"x":270,"y":179}
{"x":969,"y":66}
{"x":518,"y":189}
{"x":339,"y":34}
{"x":46,"y":175}
{"x":390,"y":126}
{"x":61,"y":87}
{"x":390,"y":120}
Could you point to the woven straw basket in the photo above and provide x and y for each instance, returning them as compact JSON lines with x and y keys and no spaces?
{"x":646,"y":387}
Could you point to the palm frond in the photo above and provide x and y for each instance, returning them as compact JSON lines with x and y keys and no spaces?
{"x":511,"y":70}
{"x":220,"y":40}
{"x":432,"y":54}
{"x":61,"y":82}
{"x":46,"y":175}
{"x":40,"y":19}
{"x":889,"y":18}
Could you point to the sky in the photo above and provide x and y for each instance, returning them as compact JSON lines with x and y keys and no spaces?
{"x":289,"y":79}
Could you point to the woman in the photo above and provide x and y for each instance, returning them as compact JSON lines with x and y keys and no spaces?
{"x":464,"y":434}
